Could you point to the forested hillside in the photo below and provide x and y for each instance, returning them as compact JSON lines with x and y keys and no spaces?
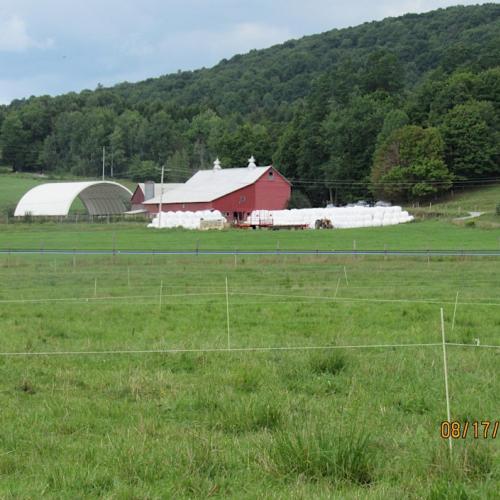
{"x":400,"y":109}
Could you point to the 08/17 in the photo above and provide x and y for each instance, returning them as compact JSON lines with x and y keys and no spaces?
{"x":477,"y":429}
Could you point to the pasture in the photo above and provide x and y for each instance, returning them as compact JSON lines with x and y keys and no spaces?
{"x":309,"y":376}
{"x":432,"y":234}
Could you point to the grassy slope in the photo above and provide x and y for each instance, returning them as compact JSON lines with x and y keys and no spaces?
{"x":479,"y":200}
{"x":246,"y":425}
{"x":461,"y":202}
{"x":13,"y":187}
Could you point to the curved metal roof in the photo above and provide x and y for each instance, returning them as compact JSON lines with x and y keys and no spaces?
{"x":52,"y":199}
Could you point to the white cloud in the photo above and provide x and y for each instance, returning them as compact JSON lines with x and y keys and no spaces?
{"x":208,"y":46}
{"x":240,"y":37}
{"x":246,"y":36}
{"x":14,"y":36}
{"x":18,"y":88}
{"x":195,"y":48}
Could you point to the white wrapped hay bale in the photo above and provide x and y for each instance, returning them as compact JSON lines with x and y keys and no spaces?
{"x":189,"y":220}
{"x":340,"y":217}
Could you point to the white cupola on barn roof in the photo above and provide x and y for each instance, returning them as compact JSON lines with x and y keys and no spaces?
{"x":217,"y":165}
{"x":251,"y":162}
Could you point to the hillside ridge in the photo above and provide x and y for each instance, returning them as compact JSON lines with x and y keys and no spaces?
{"x":326,"y":109}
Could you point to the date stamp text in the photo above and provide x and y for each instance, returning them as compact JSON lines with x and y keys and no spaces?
{"x":477,"y":429}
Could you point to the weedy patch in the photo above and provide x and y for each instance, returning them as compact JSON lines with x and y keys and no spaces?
{"x":202,"y":468}
{"x":9,"y":464}
{"x":319,"y":453}
{"x":329,"y":362}
{"x":470,"y":462}
{"x":317,"y":375}
{"x":185,"y":362}
{"x":246,"y":380}
{"x":27,"y":387}
{"x":448,"y":490}
{"x":203,"y":457}
{"x":245,"y":415}
{"x":417,"y":405}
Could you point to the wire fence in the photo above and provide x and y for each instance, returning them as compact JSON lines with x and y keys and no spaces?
{"x":302,"y":298}
{"x":230,"y":294}
{"x":245,"y":349}
{"x":236,"y":252}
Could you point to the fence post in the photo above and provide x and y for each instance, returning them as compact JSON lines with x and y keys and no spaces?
{"x":445,"y":366}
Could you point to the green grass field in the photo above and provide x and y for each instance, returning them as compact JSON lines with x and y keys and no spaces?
{"x":424,"y":235}
{"x":317,"y":421}
{"x":293,"y":409}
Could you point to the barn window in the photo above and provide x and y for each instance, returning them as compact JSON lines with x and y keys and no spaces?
{"x":271,"y":175}
{"x":243,"y":199}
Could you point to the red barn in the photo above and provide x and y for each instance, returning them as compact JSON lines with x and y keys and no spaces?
{"x":236,"y":192}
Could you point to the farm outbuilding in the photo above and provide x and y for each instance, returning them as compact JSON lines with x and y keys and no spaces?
{"x":149,"y":190}
{"x":55,"y":199}
{"x":235,"y":192}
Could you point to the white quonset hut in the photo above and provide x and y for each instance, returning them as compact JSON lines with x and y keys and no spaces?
{"x":55,"y":199}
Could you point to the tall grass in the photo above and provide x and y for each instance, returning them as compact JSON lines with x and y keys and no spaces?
{"x":322,"y":453}
{"x":329,"y":362}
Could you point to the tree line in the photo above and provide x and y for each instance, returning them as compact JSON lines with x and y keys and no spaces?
{"x":402,"y":109}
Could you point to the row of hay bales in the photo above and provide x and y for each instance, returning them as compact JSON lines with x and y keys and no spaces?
{"x":188,"y":220}
{"x":340,"y":217}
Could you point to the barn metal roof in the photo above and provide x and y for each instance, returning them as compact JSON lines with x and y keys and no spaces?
{"x":53,"y":199}
{"x":209,"y":185}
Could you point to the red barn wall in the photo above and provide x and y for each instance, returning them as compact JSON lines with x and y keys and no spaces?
{"x":137,"y":197}
{"x":272,"y":192}
{"x":267,"y":193}
{"x":242,"y":200}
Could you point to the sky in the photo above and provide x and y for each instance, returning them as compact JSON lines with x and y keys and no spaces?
{"x":56,"y":46}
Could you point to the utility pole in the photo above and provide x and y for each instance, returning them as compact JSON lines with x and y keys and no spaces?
{"x":161,"y":196}
{"x":112,"y":157}
{"x":103,"y":160}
